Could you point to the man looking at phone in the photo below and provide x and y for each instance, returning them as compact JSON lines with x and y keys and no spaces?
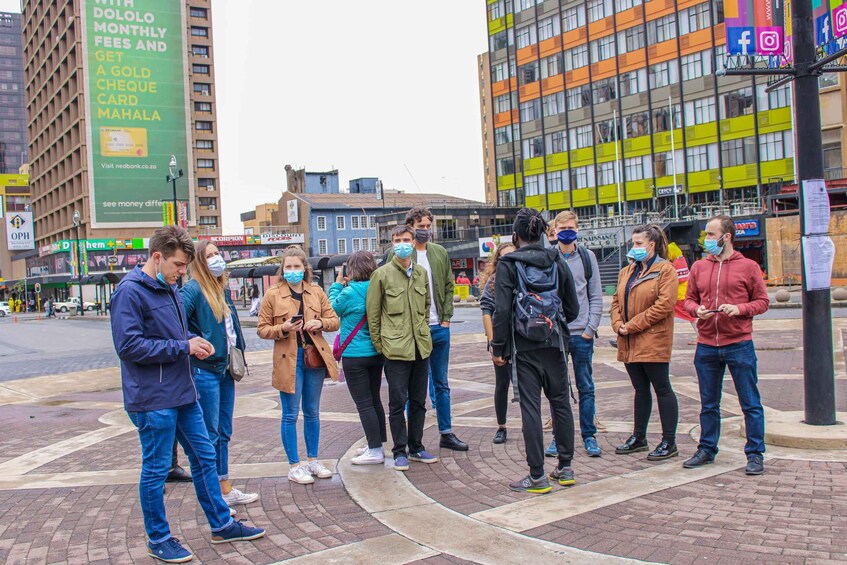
{"x":725,"y":292}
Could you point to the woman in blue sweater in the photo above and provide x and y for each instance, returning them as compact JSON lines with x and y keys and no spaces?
{"x":211,"y":315}
{"x":362,"y":364}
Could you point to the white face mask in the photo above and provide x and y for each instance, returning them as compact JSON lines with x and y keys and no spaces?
{"x":217,"y":265}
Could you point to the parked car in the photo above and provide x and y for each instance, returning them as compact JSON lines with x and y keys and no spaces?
{"x":73,"y":302}
{"x":4,"y":309}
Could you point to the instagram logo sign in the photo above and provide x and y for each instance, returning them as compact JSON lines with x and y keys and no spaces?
{"x":769,"y":40}
{"x":839,"y":20}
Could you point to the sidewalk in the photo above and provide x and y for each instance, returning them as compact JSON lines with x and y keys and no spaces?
{"x":69,"y":462}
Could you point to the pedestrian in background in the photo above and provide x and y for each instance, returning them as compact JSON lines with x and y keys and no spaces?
{"x":503,"y":374}
{"x":295,"y":314}
{"x":254,"y":299}
{"x":642,"y":317}
{"x":361,"y":363}
{"x":681,"y":265}
{"x":212,"y":315}
{"x":153,"y":342}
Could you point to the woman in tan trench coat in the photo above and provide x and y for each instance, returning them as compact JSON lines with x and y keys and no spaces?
{"x":642,"y":317}
{"x":294,"y":314}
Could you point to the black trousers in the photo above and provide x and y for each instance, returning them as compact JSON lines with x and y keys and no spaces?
{"x":407,"y":380}
{"x":364,"y":378}
{"x":642,"y":376}
{"x":502,"y":382}
{"x":545,"y":369}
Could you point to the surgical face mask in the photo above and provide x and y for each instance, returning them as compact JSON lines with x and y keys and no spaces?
{"x":423,"y":235}
{"x":711,"y":246}
{"x":567,"y":236}
{"x":403,"y":250}
{"x":159,"y":276}
{"x":637,"y":254}
{"x":217,"y":265}
{"x":293,"y":277}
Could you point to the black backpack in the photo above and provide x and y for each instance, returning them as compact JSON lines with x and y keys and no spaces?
{"x":586,"y":262}
{"x":538,"y":307}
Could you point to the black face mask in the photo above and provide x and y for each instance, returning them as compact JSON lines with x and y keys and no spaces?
{"x":515,"y":240}
{"x":422,"y":235}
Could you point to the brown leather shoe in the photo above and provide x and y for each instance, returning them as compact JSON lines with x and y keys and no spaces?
{"x":178,"y":475}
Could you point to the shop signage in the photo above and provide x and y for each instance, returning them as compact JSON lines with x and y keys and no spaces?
{"x":746,"y":228}
{"x":282,"y":238}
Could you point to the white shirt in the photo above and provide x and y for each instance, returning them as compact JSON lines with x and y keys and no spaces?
{"x":433,"y":311}
{"x":231,"y":338}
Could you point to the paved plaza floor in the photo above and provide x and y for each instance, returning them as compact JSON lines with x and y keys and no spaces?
{"x":69,"y":464}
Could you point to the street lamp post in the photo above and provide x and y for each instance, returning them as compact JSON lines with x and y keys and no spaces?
{"x":172,"y":178}
{"x":77,"y":221}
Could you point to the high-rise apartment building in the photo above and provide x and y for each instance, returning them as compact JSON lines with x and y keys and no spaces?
{"x":600,"y":102}
{"x":486,"y":118}
{"x":113,"y":89}
{"x":13,"y":145}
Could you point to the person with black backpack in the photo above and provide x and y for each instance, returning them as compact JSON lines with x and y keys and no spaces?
{"x":535,"y":300}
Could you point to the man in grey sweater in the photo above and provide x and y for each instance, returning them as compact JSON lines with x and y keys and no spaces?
{"x":583,"y":330}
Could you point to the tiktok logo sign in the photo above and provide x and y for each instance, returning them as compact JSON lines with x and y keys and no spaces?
{"x":769,"y":40}
{"x":839,"y":20}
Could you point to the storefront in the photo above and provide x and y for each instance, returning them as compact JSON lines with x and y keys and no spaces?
{"x":750,"y":239}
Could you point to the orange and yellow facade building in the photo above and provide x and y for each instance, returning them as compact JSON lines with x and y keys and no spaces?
{"x":596,"y":102}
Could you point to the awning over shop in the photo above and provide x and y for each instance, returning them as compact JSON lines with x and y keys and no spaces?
{"x":242,"y":273}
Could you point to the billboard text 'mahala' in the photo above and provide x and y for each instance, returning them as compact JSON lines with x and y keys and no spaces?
{"x":135,"y":69}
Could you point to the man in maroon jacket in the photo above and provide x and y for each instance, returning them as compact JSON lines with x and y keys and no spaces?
{"x":725,"y":291}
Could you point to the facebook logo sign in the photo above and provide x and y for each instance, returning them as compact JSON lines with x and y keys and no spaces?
{"x":740,"y":41}
{"x":823,"y":30}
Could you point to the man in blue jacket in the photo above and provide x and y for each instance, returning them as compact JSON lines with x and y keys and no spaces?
{"x":154,"y":345}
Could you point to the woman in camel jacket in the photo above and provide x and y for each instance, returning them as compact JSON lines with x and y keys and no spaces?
{"x":642,"y":317}
{"x":294,"y":314}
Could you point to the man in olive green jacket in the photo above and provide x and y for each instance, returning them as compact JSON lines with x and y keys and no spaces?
{"x":398,"y":314}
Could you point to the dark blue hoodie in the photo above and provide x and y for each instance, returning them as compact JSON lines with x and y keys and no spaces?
{"x":151,"y":338}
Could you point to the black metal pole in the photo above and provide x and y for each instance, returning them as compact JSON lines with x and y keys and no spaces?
{"x":176,"y":213}
{"x":818,"y":363}
{"x":79,"y":272}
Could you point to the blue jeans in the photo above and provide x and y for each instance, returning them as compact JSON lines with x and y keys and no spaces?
{"x":439,"y":389}
{"x":307,"y":391}
{"x":156,"y":430}
{"x":581,"y":351}
{"x":217,"y":399}
{"x":711,"y":363}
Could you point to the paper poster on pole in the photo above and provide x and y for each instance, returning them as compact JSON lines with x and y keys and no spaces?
{"x":818,"y":256}
{"x":815,"y":210}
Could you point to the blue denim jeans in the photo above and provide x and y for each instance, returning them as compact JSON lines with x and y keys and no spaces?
{"x":307,"y":391}
{"x":711,"y":363}
{"x":156,"y":430}
{"x":439,"y":389}
{"x":581,"y":351}
{"x":217,"y":399}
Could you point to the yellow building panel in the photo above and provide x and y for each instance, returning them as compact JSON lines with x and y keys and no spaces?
{"x":583,"y":197}
{"x":737,"y":177}
{"x":559,"y":200}
{"x":609,"y":193}
{"x":582,"y":157}
{"x":639,"y":189}
{"x":534,"y":166}
{"x":536,"y":202}
{"x":637,"y":146}
{"x":703,"y":181}
{"x":557,"y":162}
{"x":782,"y":168}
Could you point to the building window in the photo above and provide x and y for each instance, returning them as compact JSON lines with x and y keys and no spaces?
{"x":582,"y":177}
{"x":661,"y":29}
{"x":208,"y":184}
{"x":737,"y":103}
{"x":341,"y":246}
{"x":209,"y":221}
{"x":606,"y":173}
{"x":533,"y":147}
{"x":203,"y":88}
{"x":503,"y":135}
{"x":354,"y":222}
{"x":603,"y":48}
{"x":605,"y":90}
{"x":339,"y":222}
{"x":621,"y":5}
{"x":356,"y":244}
{"x":531,"y":110}
{"x":202,"y":125}
{"x":780,"y":98}
{"x":557,"y":142}
{"x":495,"y":11}
{"x":206,"y":164}
{"x":505,"y":166}
{"x":633,"y":82}
{"x":828,"y":80}
{"x":534,"y":185}
{"x":574,"y":18}
{"x":200,"y":69}
{"x":576,"y":58}
{"x":581,"y":137}
{"x":553,"y":104}
{"x":525,"y":36}
{"x":599,"y":9}
{"x":208,"y":203}
{"x":579,"y":97}
{"x":557,"y":181}
{"x":737,"y":152}
{"x":502,"y":39}
{"x":634,"y":168}
{"x":205,"y":145}
{"x":551,"y":66}
{"x":662,"y":119}
{"x":363,"y":222}
{"x":662,"y":163}
{"x":694,"y":18}
{"x":198,"y":31}
{"x":322,"y":247}
{"x":696,"y":65}
{"x":663,"y":74}
{"x":631,"y":39}
{"x":777,"y":145}
{"x":498,"y":72}
{"x":374,"y":245}
{"x":528,"y":73}
{"x":199,"y":13}
{"x":200,"y":51}
{"x":502,"y":103}
{"x":321,"y":221}
{"x":697,"y":159}
{"x":606,"y":131}
{"x":203,"y":107}
{"x":548,"y":27}
{"x":636,"y":125}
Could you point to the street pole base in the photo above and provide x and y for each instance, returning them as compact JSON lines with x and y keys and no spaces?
{"x":787,"y":429}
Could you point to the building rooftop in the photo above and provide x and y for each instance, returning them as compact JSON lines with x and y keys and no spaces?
{"x":392,"y":200}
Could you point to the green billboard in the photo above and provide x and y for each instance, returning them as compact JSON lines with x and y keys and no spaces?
{"x":137,"y":108}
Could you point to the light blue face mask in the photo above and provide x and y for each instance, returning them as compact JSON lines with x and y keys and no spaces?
{"x":637,"y":254}
{"x":293,"y":277}
{"x":711,"y":246}
{"x":403,"y":250}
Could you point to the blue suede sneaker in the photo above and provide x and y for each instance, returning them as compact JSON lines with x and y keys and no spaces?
{"x":552,"y":451}
{"x":592,"y":448}
{"x":401,"y":463}
{"x":423,"y":457}
{"x":237,"y":531}
{"x":169,"y":551}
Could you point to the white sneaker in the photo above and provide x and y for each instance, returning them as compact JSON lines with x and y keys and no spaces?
{"x":370,"y":457}
{"x":318,"y":469}
{"x":362,"y":450}
{"x":232,"y":512}
{"x":235,"y":496}
{"x":299,"y":474}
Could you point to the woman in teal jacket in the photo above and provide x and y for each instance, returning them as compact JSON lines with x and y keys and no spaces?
{"x":211,"y":314}
{"x":362,"y":364}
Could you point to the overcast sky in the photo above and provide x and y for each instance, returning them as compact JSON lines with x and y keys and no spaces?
{"x":368,"y":87}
